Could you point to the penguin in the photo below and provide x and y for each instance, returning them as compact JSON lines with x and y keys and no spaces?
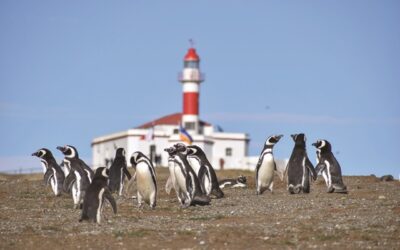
{"x":145,"y":179}
{"x":188,"y":181}
{"x":329,"y":167}
{"x":53,"y":172}
{"x":118,"y":171}
{"x":241,"y":181}
{"x":172,"y":181}
{"x":266,"y":166}
{"x":299,"y":167}
{"x":80,"y":174}
{"x":206,"y":175}
{"x":96,"y":194}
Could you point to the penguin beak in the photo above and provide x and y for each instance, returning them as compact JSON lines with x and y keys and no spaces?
{"x":314,"y":144}
{"x":279,"y":137}
{"x":35,"y":154}
{"x":62,"y":149}
{"x":293,"y":136}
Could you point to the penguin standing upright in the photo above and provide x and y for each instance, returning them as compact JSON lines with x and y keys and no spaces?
{"x":53,"y":172}
{"x":299,"y":167}
{"x":80,"y":174}
{"x":145,"y":179}
{"x":95,"y":196}
{"x":266,"y":166}
{"x":206,"y":175}
{"x":118,"y":171}
{"x":329,"y":166}
{"x":171,"y":181}
{"x":188,"y":181}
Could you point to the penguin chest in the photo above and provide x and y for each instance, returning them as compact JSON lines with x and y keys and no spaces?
{"x":195,"y":164}
{"x":180,"y":178}
{"x":145,"y":184}
{"x":267,"y":168}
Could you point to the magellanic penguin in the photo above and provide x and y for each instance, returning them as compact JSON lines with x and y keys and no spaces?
{"x":171,"y":181}
{"x":299,"y":167}
{"x":241,"y":182}
{"x":145,"y":179}
{"x":206,"y":175}
{"x":175,"y":173}
{"x":329,"y":167}
{"x":118,"y":171}
{"x":188,"y":181}
{"x":53,"y":172}
{"x":266,"y":166}
{"x":96,"y":194}
{"x":80,"y":174}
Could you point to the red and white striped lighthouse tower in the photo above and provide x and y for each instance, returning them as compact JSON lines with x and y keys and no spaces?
{"x":191,"y":77}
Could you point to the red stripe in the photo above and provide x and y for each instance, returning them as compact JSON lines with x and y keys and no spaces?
{"x":191,"y":103}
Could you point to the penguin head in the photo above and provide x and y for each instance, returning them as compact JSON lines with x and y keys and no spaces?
{"x":43,"y":153}
{"x":242,"y":179}
{"x":120,"y":152}
{"x":299,"y":139}
{"x":69,"y":151}
{"x":180,"y":147}
{"x":272,"y":140}
{"x":135,"y":158}
{"x":171,"y":150}
{"x":101,"y":172}
{"x":322,"y":145}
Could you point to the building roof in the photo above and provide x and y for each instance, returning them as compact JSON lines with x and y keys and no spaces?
{"x":173,"y":119}
{"x":191,"y":55}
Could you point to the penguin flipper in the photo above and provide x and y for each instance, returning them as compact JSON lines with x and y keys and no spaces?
{"x":168,"y":185}
{"x":128,"y":175}
{"x":110,"y":198}
{"x":310,"y":166}
{"x":47,"y":176}
{"x":202,"y":176}
{"x":69,"y":181}
{"x":320,"y":167}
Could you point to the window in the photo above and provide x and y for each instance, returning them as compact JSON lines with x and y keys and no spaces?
{"x":191,"y":64}
{"x":189,"y":125}
{"x":176,"y":131}
{"x":228,"y":151}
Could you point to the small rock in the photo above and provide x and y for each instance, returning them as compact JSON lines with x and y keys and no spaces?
{"x":202,"y":242}
{"x":382,"y":197}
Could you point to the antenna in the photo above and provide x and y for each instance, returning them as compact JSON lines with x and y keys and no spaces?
{"x":191,"y":41}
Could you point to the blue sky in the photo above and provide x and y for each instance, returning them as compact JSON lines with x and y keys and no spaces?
{"x":74,"y":70}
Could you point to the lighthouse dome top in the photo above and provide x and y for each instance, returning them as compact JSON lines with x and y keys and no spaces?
{"x":191,"y":55}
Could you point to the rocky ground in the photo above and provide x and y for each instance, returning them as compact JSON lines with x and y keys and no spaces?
{"x":366,"y":218}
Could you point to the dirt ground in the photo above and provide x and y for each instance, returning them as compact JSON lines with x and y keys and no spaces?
{"x":366,"y":218}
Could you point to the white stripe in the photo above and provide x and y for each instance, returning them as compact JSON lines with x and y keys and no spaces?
{"x":190,"y":87}
{"x":328,"y":172}
{"x":304,"y":172}
{"x":98,"y":215}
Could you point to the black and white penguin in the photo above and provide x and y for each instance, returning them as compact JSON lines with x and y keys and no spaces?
{"x":171,"y":181}
{"x":206,"y":175}
{"x":329,"y":167}
{"x":118,"y":171}
{"x":53,"y":173}
{"x":266,"y":166}
{"x":241,"y":181}
{"x":145,"y":179}
{"x":96,"y":194}
{"x":299,"y":167}
{"x":188,"y":181}
{"x":80,"y":174}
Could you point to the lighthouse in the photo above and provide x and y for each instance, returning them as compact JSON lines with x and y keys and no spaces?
{"x":223,"y":149}
{"x":191,"y":77}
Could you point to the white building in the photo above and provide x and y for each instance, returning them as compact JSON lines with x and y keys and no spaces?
{"x":221,"y":148}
